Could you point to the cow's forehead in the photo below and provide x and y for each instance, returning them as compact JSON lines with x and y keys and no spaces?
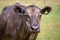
{"x":33,"y":10}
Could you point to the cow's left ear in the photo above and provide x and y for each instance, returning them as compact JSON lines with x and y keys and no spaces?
{"x":46,"y":10}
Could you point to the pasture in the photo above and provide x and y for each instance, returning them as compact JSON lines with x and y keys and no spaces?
{"x":50,"y":24}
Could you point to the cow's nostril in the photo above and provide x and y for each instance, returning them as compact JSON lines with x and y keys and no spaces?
{"x":32,"y":28}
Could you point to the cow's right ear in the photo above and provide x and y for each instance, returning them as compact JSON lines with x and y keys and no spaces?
{"x":18,"y":9}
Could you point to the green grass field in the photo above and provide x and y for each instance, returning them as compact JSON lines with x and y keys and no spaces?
{"x":50,"y":24}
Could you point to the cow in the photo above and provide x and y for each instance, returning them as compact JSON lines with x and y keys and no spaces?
{"x":18,"y":22}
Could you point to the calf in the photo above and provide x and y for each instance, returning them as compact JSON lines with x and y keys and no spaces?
{"x":18,"y":22}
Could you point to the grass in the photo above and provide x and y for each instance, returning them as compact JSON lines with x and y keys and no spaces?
{"x":50,"y":24}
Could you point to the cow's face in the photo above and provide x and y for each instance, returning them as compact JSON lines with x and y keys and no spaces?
{"x":33,"y":18}
{"x":33,"y":15}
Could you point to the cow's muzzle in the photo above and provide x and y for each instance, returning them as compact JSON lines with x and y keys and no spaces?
{"x":34,"y":29}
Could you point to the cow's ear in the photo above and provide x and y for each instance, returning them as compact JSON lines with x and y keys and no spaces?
{"x":46,"y":10}
{"x":18,"y":9}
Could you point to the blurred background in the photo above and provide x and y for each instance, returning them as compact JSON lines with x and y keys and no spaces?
{"x":50,"y":24}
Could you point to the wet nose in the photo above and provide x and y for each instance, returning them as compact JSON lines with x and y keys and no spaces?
{"x":34,"y":27}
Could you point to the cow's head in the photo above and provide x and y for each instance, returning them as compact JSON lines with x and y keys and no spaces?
{"x":33,"y":14}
